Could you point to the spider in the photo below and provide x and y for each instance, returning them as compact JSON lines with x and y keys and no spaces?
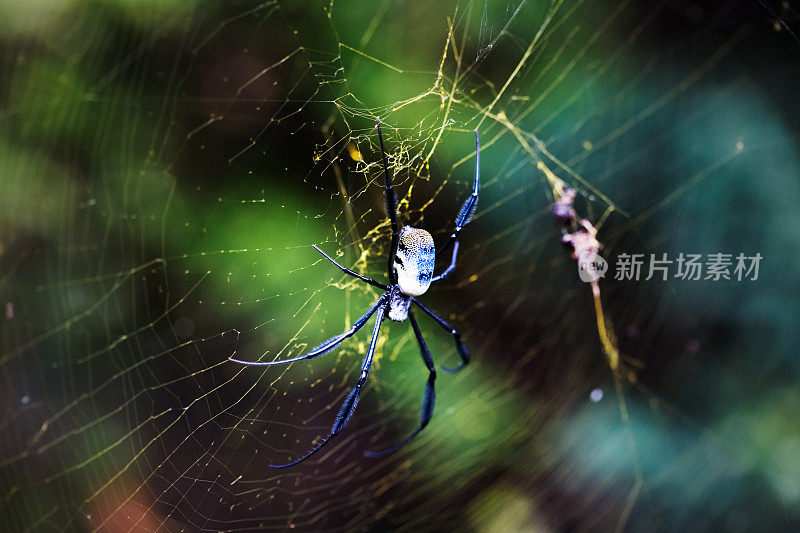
{"x":577,"y":233}
{"x":410,"y":271}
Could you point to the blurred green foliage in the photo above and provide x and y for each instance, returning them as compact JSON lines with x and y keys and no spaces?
{"x":166,"y":166}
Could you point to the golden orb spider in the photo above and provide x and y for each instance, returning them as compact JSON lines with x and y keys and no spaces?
{"x":410,"y":271}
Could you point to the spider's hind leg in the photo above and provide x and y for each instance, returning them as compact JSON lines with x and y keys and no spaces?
{"x":391,"y":207}
{"x":464,"y":215}
{"x":468,"y":209}
{"x":351,"y":272}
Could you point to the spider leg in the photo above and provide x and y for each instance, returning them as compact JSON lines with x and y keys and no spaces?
{"x":349,"y":405}
{"x":469,"y":207}
{"x":462,"y":350}
{"x":449,"y":269}
{"x":350,"y":272}
{"x":326,"y":346}
{"x":391,"y":205}
{"x":427,"y":401}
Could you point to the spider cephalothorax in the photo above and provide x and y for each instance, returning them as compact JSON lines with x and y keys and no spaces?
{"x":410,"y":271}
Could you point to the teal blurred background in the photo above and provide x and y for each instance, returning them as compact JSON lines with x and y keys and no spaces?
{"x":166,"y":166}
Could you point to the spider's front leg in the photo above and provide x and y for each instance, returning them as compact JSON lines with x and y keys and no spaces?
{"x":460,"y":348}
{"x":326,"y":346}
{"x":464,"y":214}
{"x":430,"y":393}
{"x":349,"y":405}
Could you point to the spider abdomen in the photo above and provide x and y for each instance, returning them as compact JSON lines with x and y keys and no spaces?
{"x":413,"y":260}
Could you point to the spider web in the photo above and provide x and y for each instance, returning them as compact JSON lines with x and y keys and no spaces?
{"x":167,"y":166}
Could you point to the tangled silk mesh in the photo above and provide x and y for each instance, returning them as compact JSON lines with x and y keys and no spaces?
{"x":191,"y":154}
